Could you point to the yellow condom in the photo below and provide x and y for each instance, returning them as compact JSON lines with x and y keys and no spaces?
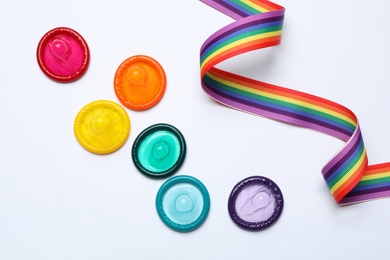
{"x":102,"y":127}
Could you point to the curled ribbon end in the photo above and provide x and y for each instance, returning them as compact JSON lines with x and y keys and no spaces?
{"x":259,"y":25}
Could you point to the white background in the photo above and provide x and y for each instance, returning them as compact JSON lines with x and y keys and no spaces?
{"x":58,"y":201}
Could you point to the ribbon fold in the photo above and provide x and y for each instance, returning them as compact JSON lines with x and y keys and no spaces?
{"x":259,"y":25}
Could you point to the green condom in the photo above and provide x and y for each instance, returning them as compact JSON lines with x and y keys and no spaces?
{"x":159,"y":151}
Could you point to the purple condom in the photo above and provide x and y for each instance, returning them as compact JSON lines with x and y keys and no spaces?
{"x":255,"y":203}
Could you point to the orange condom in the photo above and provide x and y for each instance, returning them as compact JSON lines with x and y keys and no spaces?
{"x":140,"y":82}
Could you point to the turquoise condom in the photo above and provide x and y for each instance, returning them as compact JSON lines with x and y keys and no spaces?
{"x":183,"y":203}
{"x":159,"y":151}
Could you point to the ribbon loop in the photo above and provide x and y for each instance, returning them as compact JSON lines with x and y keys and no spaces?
{"x":259,"y":25}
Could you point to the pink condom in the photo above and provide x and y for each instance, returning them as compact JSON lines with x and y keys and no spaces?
{"x":63,"y":54}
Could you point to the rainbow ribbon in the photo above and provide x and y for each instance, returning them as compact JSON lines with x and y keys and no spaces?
{"x":259,"y":25}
